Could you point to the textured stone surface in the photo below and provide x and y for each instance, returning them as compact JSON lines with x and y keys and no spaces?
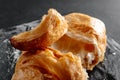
{"x":109,"y":69}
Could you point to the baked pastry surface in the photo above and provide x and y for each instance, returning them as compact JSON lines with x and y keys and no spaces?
{"x":48,"y":64}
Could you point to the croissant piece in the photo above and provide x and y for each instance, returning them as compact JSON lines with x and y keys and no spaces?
{"x":51,"y":28}
{"x":48,"y":64}
{"x":86,"y":38}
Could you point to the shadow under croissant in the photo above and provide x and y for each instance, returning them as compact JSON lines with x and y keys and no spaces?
{"x":100,"y":74}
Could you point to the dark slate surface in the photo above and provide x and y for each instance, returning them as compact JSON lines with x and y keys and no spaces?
{"x":109,"y":69}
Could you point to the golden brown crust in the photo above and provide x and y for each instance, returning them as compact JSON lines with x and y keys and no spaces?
{"x":51,"y":28}
{"x":48,"y":65}
{"x":86,"y":37}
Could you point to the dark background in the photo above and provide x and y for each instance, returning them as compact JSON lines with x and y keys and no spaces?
{"x":15,"y":12}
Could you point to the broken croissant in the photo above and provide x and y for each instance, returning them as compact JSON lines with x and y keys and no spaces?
{"x":86,"y":38}
{"x":52,"y":27}
{"x":81,"y":40}
{"x":48,"y":64}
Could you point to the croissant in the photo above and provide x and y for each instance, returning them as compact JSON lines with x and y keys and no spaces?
{"x":60,"y":48}
{"x":50,"y":29}
{"x":86,"y":38}
{"x":48,"y":64}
